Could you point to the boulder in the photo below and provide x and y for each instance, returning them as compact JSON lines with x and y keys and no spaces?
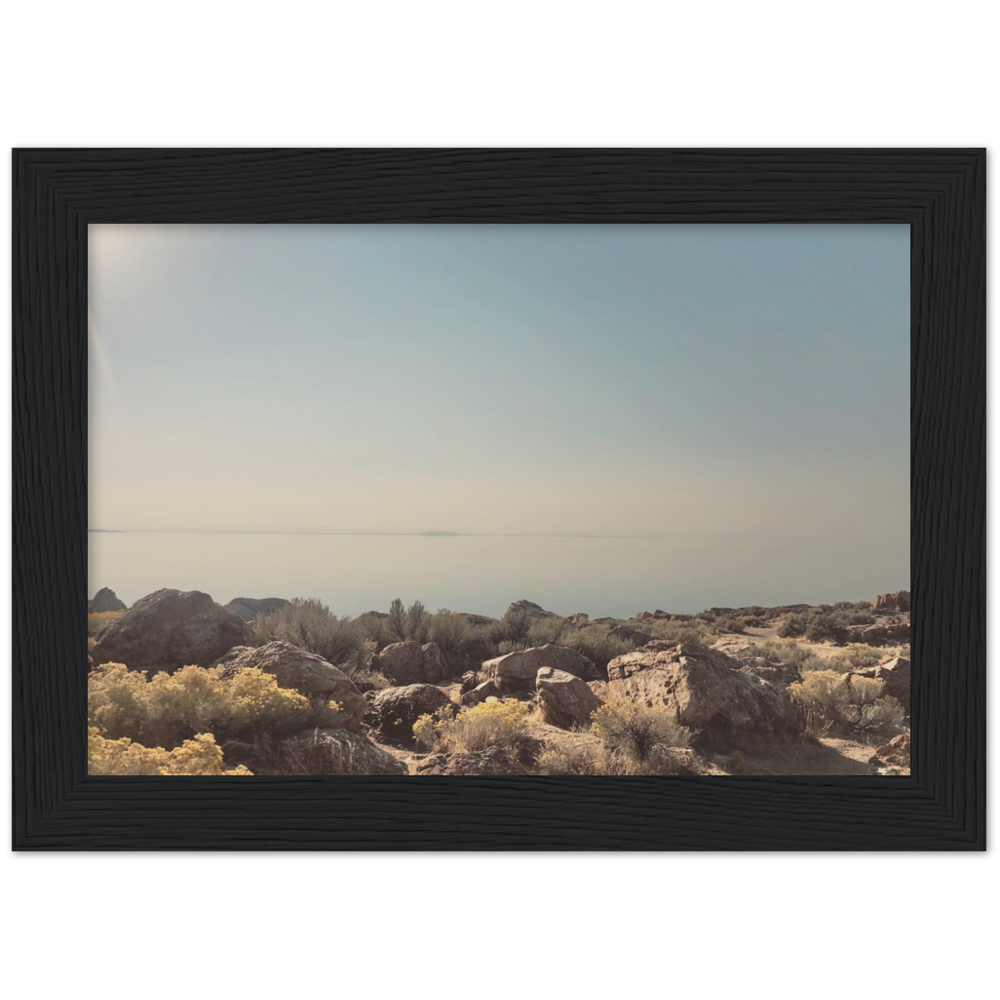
{"x":105,"y":600}
{"x":490,"y":763}
{"x":478,"y":649}
{"x":628,"y":634}
{"x":434,"y":668}
{"x":564,"y":700}
{"x":643,"y":616}
{"x":893,"y":759}
{"x":479,"y":693}
{"x":531,"y":609}
{"x":403,"y":662}
{"x":898,"y":600}
{"x":301,"y":671}
{"x":579,"y":618}
{"x":600,"y":688}
{"x":775,"y":673}
{"x":393,"y":711}
{"x":168,"y":630}
{"x":886,"y":633}
{"x":517,"y":671}
{"x":249,"y":608}
{"x":895,"y":677}
{"x":706,"y":691}
{"x":334,"y":751}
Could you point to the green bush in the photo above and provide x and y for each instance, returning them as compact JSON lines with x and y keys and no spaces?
{"x":308,"y":623}
{"x":638,"y":739}
{"x":597,"y":644}
{"x":853,"y":703}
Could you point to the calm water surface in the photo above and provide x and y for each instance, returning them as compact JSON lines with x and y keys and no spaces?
{"x":601,"y":576}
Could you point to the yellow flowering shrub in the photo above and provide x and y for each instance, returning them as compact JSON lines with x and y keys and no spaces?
{"x":198,"y":756}
{"x":491,"y":724}
{"x":166,"y":709}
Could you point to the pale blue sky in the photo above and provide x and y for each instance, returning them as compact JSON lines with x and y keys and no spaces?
{"x":688,"y":380}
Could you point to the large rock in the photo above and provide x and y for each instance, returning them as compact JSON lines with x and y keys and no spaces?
{"x":105,"y":600}
{"x":898,"y":600}
{"x":706,"y":691}
{"x":393,"y":711}
{"x":880,"y":634}
{"x":517,"y":671}
{"x":479,"y":694}
{"x":531,"y":609}
{"x":478,"y":649}
{"x":411,"y":663}
{"x":892,"y":759}
{"x":564,"y":700}
{"x":334,"y":751}
{"x":169,"y":630}
{"x":301,"y":671}
{"x":402,"y":663}
{"x":249,"y":608}
{"x":434,"y":668}
{"x":490,"y":763}
{"x":895,"y":677}
{"x":628,"y":634}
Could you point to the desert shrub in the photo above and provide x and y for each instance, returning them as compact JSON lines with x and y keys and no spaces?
{"x":569,"y":758}
{"x":510,"y":646}
{"x":850,"y":702}
{"x":490,"y":724}
{"x":98,"y":618}
{"x":856,"y":657}
{"x":693,"y":630}
{"x":597,"y":644}
{"x":638,"y":739}
{"x":170,"y":708}
{"x":513,"y":627}
{"x":546,"y":630}
{"x":308,"y":623}
{"x":200,"y":756}
{"x":452,"y":633}
{"x":730,"y":623}
{"x":785,"y":653}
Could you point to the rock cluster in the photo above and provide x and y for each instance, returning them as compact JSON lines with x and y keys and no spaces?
{"x":898,"y":600}
{"x":392,"y":711}
{"x":517,"y":671}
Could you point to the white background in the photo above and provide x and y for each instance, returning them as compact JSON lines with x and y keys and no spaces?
{"x":474,"y":931}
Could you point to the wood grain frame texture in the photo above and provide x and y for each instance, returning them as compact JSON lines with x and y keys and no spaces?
{"x":940,"y":194}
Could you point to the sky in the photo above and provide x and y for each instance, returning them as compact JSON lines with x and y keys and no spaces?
{"x":688,"y":381}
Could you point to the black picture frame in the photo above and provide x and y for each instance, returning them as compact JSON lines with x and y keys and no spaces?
{"x":939,"y":193}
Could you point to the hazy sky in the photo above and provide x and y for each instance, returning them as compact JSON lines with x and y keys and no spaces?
{"x":689,"y":380}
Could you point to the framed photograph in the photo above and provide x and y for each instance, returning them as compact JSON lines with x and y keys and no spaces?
{"x":499,"y":499}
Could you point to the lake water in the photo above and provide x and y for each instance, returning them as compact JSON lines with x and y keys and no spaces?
{"x":600,"y":576}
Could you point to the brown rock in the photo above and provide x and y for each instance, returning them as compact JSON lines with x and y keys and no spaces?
{"x":490,"y":763}
{"x":564,"y":700}
{"x":880,"y":634}
{"x":249,"y":608}
{"x":434,"y":668}
{"x":168,"y":630}
{"x":898,"y":600}
{"x":706,"y":691}
{"x":517,"y":671}
{"x":531,"y":609}
{"x":301,"y":671}
{"x":895,"y":677}
{"x":105,"y":600}
{"x":333,"y":751}
{"x":403,"y":663}
{"x":643,"y":616}
{"x":893,"y":759}
{"x":629,"y":634}
{"x":393,"y":711}
{"x":478,"y":649}
{"x":479,"y":693}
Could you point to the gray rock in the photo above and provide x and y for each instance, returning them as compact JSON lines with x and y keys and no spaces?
{"x":249,"y":608}
{"x":393,"y":711}
{"x":564,"y":700}
{"x":105,"y":600}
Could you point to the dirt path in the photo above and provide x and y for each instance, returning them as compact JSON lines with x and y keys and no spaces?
{"x":731,"y":641}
